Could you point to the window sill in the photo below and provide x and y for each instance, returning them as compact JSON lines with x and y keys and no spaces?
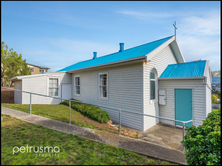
{"x":103,"y":98}
{"x":153,"y":101}
{"x":50,"y":97}
{"x":77,"y":95}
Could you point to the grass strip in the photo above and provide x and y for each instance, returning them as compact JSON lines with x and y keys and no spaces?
{"x":73,"y":150}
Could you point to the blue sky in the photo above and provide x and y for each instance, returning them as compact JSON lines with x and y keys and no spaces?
{"x":58,"y":34}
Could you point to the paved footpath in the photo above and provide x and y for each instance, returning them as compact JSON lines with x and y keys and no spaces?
{"x":134,"y":145}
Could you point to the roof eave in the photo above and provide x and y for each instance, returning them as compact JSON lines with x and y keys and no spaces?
{"x":111,"y":63}
{"x":181,"y":78}
{"x":38,"y":66}
{"x":177,"y":51}
{"x":26,"y":76}
{"x":15,"y":79}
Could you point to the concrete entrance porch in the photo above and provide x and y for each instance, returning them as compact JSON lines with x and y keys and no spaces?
{"x":166,"y":135}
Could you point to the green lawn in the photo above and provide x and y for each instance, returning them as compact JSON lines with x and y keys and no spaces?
{"x":57,"y":112}
{"x":72,"y":149}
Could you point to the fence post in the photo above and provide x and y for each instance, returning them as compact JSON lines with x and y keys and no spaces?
{"x":30,"y":103}
{"x":183,"y":135}
{"x":119,"y":122}
{"x":69,"y":112}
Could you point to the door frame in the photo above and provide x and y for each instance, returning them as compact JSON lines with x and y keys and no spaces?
{"x":192,"y":88}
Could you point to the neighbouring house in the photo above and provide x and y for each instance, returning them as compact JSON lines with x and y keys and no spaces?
{"x":216,"y":83}
{"x":37,"y":69}
{"x":152,"y":78}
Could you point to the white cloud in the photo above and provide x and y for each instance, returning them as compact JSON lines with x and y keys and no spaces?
{"x":83,"y":47}
{"x":73,"y":51}
{"x":198,"y":37}
{"x":207,"y":24}
{"x":145,"y":15}
{"x":195,"y":48}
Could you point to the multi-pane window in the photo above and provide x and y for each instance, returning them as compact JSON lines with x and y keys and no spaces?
{"x":32,"y":69}
{"x":103,"y":85}
{"x":77,"y":85}
{"x":152,"y":85}
{"x":41,"y":71}
{"x":53,"y":86}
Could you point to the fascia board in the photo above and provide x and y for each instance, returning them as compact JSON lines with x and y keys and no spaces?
{"x":206,"y":68}
{"x":111,"y":63}
{"x":159,"y":48}
{"x":180,"y":51}
{"x":28,"y":76}
{"x":42,"y":67}
{"x":181,"y":78}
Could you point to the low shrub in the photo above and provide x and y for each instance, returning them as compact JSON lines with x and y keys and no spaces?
{"x":92,"y":112}
{"x":203,"y":143}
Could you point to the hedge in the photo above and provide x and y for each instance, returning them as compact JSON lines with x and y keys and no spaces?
{"x":92,"y":112}
{"x":203,"y":143}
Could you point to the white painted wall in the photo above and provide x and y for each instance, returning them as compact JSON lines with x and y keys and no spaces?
{"x":17,"y":94}
{"x":208,"y":92}
{"x":160,"y":61}
{"x":39,"y":85}
{"x":66,"y":91}
{"x":124,"y":91}
{"x":197,"y":87}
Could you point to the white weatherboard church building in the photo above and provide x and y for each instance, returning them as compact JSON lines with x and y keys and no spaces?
{"x":152,"y":78}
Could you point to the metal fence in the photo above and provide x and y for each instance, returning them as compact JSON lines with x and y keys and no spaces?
{"x":119,"y":110}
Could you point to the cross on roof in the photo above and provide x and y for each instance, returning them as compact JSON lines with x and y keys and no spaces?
{"x":175,"y":28}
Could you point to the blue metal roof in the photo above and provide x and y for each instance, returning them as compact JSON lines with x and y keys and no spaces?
{"x":188,"y":69}
{"x":141,"y":50}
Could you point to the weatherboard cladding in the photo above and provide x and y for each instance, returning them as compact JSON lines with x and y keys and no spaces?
{"x":134,"y":52}
{"x":168,"y":110}
{"x":189,"y":69}
{"x":159,"y":62}
{"x":124,"y":92}
{"x":40,"y":85}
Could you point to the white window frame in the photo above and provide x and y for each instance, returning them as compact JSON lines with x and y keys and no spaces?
{"x":99,"y":97}
{"x":156,"y":85}
{"x":58,"y":85}
{"x":41,"y":71}
{"x":32,"y":68}
{"x":75,"y":85}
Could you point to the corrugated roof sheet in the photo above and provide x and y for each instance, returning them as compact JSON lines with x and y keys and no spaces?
{"x":188,"y":69}
{"x":141,"y":50}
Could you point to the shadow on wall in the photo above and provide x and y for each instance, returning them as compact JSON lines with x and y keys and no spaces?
{"x":7,"y":96}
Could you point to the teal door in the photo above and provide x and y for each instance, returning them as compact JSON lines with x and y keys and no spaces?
{"x":183,"y":106}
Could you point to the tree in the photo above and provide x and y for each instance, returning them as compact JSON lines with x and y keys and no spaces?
{"x":4,"y":55}
{"x":12,"y":65}
{"x":216,"y":73}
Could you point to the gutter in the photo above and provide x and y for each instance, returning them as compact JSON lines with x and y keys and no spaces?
{"x":181,"y":78}
{"x":188,"y":78}
{"x":26,"y":76}
{"x":143,"y":57}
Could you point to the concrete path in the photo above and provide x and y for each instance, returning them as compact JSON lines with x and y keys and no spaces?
{"x":135,"y":145}
{"x":170,"y":136}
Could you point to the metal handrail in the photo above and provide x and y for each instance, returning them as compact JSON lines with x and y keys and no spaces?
{"x":120,"y":110}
